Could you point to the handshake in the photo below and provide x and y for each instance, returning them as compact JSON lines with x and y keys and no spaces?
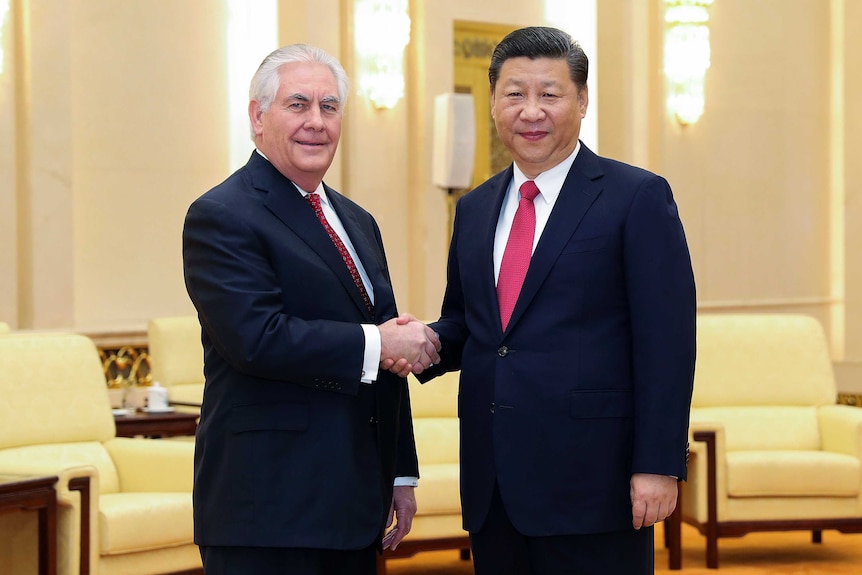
{"x":407,"y":345}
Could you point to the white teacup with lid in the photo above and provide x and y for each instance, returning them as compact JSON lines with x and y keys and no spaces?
{"x":157,"y":398}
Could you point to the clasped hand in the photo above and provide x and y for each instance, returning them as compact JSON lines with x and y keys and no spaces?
{"x":407,"y":345}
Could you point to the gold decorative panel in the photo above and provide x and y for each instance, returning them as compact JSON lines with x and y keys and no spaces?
{"x":850,"y":399}
{"x":474,"y":42}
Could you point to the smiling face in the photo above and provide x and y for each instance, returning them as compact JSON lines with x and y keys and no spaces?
{"x":299,"y":132}
{"x":538,"y":109}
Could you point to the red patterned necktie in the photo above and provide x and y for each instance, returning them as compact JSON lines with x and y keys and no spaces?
{"x":519,"y":249}
{"x":314,"y":200}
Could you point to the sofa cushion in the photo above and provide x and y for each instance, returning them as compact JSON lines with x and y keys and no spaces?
{"x":436,"y":440}
{"x":765,"y":427}
{"x":792,"y":473}
{"x":54,"y":390}
{"x":65,"y":456}
{"x":141,"y":521}
{"x":439,"y":490}
{"x":187,"y":393}
{"x":762,"y":359}
{"x":176,"y":350}
{"x":437,"y":398}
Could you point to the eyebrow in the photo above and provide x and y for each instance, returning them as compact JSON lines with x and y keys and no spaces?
{"x":543,"y":84}
{"x":304,"y":98}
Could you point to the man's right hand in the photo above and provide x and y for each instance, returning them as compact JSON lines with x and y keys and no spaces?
{"x":408,"y":344}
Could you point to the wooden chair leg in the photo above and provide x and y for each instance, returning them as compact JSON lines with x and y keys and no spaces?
{"x":666,"y":535}
{"x":673,"y":538}
{"x":817,"y":536}
{"x":711,"y":547}
{"x":381,"y":564}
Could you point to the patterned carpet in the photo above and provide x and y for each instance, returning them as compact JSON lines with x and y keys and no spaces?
{"x":790,"y":553}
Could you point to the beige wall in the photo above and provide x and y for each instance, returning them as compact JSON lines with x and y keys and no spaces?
{"x":113,"y":118}
{"x":148,"y":136}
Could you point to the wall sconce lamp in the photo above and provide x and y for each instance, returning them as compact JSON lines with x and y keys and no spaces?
{"x":686,"y":57}
{"x":4,"y":10}
{"x":381,"y":32}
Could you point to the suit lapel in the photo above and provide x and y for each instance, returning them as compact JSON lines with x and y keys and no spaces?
{"x":578,"y":193}
{"x":364,"y":242}
{"x":288,"y":205}
{"x":487,"y":230}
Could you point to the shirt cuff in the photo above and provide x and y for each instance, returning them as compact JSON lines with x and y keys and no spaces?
{"x":371,"y":359}
{"x":411,"y":481}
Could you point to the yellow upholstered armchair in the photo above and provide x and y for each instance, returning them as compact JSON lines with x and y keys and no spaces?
{"x":4,"y":327}
{"x":770,"y":448}
{"x":124,"y":505}
{"x":177,"y":358}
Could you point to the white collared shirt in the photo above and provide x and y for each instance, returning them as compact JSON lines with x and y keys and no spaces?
{"x":373,"y":344}
{"x":549,"y":182}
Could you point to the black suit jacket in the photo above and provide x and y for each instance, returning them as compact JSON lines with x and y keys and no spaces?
{"x":592,"y":380}
{"x":292,"y":449}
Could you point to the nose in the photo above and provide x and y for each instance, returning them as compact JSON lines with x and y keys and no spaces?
{"x":532,"y":110}
{"x":314,"y":119}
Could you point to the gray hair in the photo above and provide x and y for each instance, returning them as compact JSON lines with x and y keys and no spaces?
{"x":265,"y":83}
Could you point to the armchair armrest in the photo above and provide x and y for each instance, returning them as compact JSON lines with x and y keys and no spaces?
{"x":152,"y":465}
{"x":841,"y":429}
{"x":77,"y":491}
{"x":708,"y":448}
{"x":66,"y":475}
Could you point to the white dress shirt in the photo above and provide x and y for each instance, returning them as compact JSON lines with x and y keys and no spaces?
{"x":373,"y":345}
{"x":550,"y":183}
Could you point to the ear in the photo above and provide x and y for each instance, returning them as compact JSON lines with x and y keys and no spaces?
{"x":255,"y":117}
{"x":493,"y":111}
{"x":583,"y":100}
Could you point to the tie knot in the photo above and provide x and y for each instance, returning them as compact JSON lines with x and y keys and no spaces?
{"x":529,"y":190}
{"x":313,"y":199}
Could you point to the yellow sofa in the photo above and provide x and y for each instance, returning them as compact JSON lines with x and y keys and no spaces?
{"x":4,"y":327}
{"x":124,"y":505}
{"x":770,"y":449}
{"x":437,"y":524}
{"x":177,"y":358}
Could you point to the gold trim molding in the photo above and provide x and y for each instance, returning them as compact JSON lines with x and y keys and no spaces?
{"x":854,"y":399}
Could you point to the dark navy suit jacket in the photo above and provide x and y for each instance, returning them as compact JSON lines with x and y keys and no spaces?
{"x":292,"y":449}
{"x":592,"y":380}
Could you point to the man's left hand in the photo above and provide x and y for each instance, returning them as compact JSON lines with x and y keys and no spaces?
{"x":653,"y":498}
{"x":403,"y":508}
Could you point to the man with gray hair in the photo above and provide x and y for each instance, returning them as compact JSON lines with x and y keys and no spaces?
{"x":305,"y":447}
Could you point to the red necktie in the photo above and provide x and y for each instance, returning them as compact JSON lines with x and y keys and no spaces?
{"x":519,"y":248}
{"x":314,"y":200}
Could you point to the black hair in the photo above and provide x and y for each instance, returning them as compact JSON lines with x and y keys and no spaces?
{"x":540,"y":42}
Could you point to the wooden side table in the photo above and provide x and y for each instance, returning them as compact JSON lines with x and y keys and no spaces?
{"x":34,"y":493}
{"x":156,"y":424}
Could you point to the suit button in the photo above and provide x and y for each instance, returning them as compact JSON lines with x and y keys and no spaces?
{"x":503,"y":351}
{"x":492,"y":408}
{"x":372,"y":420}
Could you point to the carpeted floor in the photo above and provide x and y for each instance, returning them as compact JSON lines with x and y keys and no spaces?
{"x":790,"y":553}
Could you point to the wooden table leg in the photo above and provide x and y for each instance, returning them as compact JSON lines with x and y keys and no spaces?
{"x":48,"y":538}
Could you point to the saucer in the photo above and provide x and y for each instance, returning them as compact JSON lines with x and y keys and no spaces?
{"x":121,"y":411}
{"x":158,"y":409}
